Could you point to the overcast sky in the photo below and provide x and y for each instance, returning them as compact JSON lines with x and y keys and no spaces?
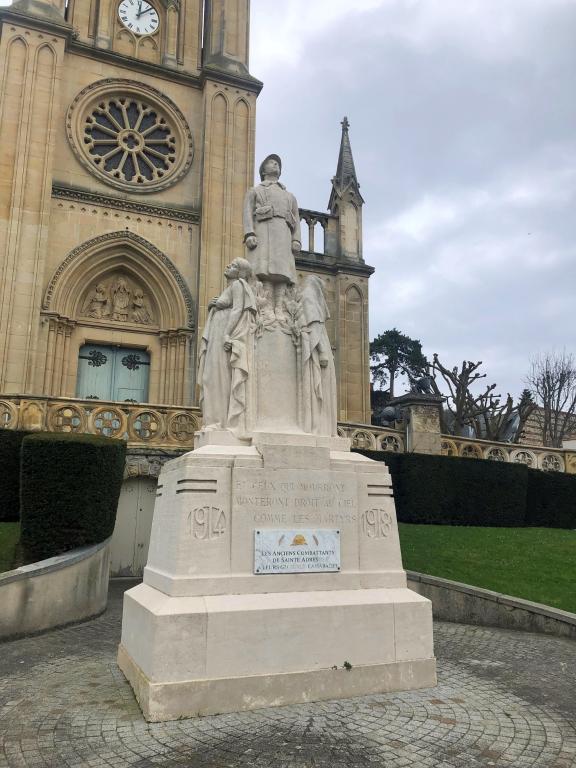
{"x":463,"y":128}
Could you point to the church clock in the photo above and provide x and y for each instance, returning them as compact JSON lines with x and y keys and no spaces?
{"x":139,"y":16}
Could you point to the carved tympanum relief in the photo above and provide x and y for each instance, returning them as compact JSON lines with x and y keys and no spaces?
{"x":118,"y":299}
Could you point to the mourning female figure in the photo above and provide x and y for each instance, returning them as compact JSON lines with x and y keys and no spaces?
{"x":319,"y":375}
{"x":226,"y":352}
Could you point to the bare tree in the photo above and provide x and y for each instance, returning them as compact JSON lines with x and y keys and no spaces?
{"x":461,"y":403}
{"x":484,"y":412}
{"x":501,"y":422}
{"x":552,"y":381}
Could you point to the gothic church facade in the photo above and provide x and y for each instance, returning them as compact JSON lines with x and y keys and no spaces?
{"x":127,"y":131}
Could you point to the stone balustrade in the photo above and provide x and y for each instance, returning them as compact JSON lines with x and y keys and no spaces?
{"x":535,"y":457}
{"x":329,"y":230}
{"x":161,"y":426}
{"x":373,"y":438}
{"x":548,"y":459}
{"x":141,"y":424}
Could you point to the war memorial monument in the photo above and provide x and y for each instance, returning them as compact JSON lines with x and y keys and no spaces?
{"x":274,"y":573}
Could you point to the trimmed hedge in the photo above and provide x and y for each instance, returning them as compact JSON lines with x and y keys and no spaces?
{"x":551,"y":500}
{"x":444,"y":490}
{"x":70,"y":485}
{"x":10,"y":443}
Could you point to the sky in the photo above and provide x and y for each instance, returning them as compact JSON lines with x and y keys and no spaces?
{"x":463,"y":129}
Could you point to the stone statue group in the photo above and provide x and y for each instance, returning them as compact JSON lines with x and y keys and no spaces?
{"x":119,"y":302}
{"x":263,"y":296}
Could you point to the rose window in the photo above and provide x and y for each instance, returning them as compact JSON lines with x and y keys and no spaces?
{"x":132,"y":136}
{"x":130,"y":141}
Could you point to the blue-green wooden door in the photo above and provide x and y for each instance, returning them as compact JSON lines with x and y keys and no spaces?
{"x":113,"y":373}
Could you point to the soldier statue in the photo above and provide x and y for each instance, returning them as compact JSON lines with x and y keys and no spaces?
{"x":272,"y":233}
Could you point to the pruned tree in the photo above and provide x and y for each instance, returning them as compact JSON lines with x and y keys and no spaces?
{"x":526,"y":407}
{"x":483,"y":412}
{"x":392,"y":353}
{"x":501,"y":422}
{"x":552,"y":381}
{"x":463,"y":406}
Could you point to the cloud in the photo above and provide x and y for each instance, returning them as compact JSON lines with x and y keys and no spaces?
{"x":462,"y":126}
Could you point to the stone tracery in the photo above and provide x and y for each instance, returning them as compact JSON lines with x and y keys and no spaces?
{"x":130,"y":140}
{"x":134,"y":138}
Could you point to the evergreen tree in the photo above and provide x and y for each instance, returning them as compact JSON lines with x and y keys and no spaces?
{"x":393,"y":353}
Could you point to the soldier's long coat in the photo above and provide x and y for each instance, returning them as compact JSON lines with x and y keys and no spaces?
{"x":271,"y":213}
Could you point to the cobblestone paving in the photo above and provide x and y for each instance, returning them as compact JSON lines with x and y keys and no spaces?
{"x":503,"y":699}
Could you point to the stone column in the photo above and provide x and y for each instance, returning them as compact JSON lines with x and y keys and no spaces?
{"x":31,"y":54}
{"x":311,"y":244}
{"x":423,"y":423}
{"x":226,"y":35}
{"x":105,"y":24}
{"x":228,"y":151}
{"x":353,"y":355}
{"x":171,"y":32}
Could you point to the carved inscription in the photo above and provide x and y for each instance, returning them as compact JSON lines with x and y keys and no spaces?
{"x":296,"y":501}
{"x":296,"y":551}
{"x":207,"y":523}
{"x":376,"y":523}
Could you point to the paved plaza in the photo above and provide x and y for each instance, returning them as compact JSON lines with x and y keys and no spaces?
{"x":503,"y":699}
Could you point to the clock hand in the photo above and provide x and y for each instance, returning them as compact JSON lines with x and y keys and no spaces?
{"x":139,"y":13}
{"x":146,"y":11}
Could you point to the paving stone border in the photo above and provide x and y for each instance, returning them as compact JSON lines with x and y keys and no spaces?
{"x":504,"y":700}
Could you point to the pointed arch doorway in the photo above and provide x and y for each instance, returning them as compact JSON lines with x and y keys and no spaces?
{"x":120,"y":324}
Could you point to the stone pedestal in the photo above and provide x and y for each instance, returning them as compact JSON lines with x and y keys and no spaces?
{"x":278,"y":395}
{"x":423,"y":424}
{"x":205,"y":633}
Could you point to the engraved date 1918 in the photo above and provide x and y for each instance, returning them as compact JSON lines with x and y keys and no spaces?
{"x":376,"y":523}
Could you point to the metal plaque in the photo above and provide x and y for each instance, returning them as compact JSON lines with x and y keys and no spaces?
{"x":296,"y":550}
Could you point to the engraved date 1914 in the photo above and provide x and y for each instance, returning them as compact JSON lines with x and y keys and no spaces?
{"x":207,"y":523}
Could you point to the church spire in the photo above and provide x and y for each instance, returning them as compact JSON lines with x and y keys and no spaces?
{"x":346,"y":202}
{"x":345,"y":172}
{"x":345,"y":178}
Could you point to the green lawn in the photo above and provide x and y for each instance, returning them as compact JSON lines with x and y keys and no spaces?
{"x":9,"y":536}
{"x":537,"y":564}
{"x":534,"y":563}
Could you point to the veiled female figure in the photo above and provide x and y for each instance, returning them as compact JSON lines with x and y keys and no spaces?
{"x":120,"y":300}
{"x":319,"y":374}
{"x":225,"y":355}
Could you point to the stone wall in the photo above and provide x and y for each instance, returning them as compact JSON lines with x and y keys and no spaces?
{"x":51,"y":593}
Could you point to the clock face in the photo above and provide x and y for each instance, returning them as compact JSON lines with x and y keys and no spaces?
{"x":139,"y":16}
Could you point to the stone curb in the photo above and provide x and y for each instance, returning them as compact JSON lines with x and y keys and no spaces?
{"x":51,"y":564}
{"x":464,"y":603}
{"x":55,"y":592}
